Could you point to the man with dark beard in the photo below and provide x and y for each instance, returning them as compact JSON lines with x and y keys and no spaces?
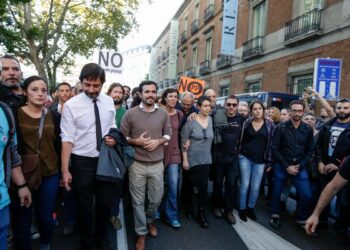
{"x":10,"y":88}
{"x":332,"y":146}
{"x":292,"y":148}
{"x":116,"y":91}
{"x":147,"y":127}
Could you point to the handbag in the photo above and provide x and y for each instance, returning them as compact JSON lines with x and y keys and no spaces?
{"x":30,"y":162}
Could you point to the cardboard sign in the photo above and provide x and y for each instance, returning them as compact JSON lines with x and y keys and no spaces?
{"x":193,"y":85}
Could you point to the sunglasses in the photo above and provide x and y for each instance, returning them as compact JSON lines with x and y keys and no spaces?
{"x":231,"y":104}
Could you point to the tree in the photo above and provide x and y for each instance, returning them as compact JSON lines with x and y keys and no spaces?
{"x":48,"y":33}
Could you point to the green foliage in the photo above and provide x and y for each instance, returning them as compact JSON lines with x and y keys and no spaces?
{"x":49,"y":32}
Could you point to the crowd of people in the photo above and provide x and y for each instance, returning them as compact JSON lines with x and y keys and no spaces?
{"x":58,"y":145}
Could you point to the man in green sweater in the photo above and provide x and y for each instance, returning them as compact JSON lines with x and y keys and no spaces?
{"x":116,"y":91}
{"x":147,"y":128}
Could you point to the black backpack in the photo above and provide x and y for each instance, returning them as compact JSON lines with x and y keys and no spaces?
{"x":12,"y":128}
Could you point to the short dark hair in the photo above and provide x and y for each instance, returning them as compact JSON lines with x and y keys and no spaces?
{"x":63,"y":83}
{"x":92,"y":71}
{"x":114,"y":85}
{"x":126,"y":86}
{"x":134,"y":90}
{"x":256,"y":102}
{"x":296,"y":102}
{"x":343,"y":100}
{"x":165,"y":94}
{"x":31,"y":79}
{"x":202,"y":99}
{"x":232,"y":97}
{"x":143,"y":83}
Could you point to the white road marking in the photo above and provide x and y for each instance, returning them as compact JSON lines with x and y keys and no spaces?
{"x":121,"y":234}
{"x":257,"y":237}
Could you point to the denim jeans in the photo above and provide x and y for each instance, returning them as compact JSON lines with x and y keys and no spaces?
{"x":170,"y":201}
{"x":4,"y":224}
{"x":251,"y":175}
{"x":44,"y":201}
{"x":301,"y":183}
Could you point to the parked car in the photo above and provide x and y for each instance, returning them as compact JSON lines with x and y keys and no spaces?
{"x":270,"y":99}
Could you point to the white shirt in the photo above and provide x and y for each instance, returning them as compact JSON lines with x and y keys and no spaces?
{"x":78,"y":122}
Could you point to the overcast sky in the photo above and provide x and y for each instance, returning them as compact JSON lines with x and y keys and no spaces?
{"x":152,"y":19}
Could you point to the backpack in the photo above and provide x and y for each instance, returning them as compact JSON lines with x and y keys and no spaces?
{"x":12,"y":128}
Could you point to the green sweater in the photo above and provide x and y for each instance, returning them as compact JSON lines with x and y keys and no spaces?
{"x":119,"y":113}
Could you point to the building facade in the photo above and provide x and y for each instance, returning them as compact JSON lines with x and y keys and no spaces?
{"x":276,"y":44}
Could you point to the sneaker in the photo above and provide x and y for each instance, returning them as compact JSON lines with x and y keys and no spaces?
{"x":116,"y":223}
{"x":242,"y":214}
{"x":275,"y":222}
{"x":251,"y":214}
{"x":174,"y":224}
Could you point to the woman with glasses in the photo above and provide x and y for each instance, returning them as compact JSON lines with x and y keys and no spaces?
{"x":47,"y":145}
{"x":196,"y":139}
{"x":255,"y":153}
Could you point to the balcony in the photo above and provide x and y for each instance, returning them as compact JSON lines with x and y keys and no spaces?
{"x":208,"y":13}
{"x":159,"y":60}
{"x":204,"y":67}
{"x":253,"y":48}
{"x":191,"y":72}
{"x":183,"y":36}
{"x":194,"y":26}
{"x":303,"y":27}
{"x":223,"y":61}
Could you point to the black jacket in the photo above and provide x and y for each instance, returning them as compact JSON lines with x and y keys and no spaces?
{"x":11,"y":99}
{"x":292,"y":146}
{"x":342,"y":147}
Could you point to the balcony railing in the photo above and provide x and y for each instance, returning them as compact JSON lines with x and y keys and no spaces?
{"x":208,"y":12}
{"x":194,"y":26}
{"x":183,"y":36}
{"x":253,"y":47}
{"x":223,"y":61}
{"x":191,"y":72}
{"x":305,"y":24}
{"x":204,"y":67}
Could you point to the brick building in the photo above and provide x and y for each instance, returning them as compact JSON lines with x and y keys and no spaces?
{"x":277,"y":42}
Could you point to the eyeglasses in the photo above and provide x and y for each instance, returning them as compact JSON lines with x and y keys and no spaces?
{"x":231,"y":104}
{"x":204,"y":134}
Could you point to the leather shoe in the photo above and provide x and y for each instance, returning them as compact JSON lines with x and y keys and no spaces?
{"x":230,"y":218}
{"x":152,"y":228}
{"x":140,"y":242}
{"x":217,"y":212}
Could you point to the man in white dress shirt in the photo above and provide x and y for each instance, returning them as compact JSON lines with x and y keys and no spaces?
{"x":81,"y":143}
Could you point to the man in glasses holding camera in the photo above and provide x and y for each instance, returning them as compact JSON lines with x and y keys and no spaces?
{"x":227,"y":129}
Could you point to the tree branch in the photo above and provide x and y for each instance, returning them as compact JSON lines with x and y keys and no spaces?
{"x":46,"y":29}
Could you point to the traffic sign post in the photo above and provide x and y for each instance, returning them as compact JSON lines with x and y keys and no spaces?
{"x":327,"y":77}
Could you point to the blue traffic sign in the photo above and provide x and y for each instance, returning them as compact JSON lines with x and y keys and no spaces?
{"x":327,"y":77}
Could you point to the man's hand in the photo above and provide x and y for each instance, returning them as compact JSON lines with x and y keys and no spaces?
{"x":305,"y":97}
{"x":141,"y":140}
{"x":67,"y":179}
{"x":321,"y":168}
{"x":25,"y":196}
{"x":192,"y":117}
{"x":151,"y":144}
{"x":293,"y":170}
{"x":330,"y":167}
{"x":311,"y":224}
{"x":110,"y":141}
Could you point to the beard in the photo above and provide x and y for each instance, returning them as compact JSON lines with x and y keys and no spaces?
{"x":117,"y":101}
{"x":11,"y":85}
{"x":343,"y":116}
{"x":92,"y":96}
{"x":296,"y":118}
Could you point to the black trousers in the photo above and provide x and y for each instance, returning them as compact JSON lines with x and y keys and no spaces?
{"x":196,"y":176}
{"x":226,"y":175}
{"x":86,"y":188}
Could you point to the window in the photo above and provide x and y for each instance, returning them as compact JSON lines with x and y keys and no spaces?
{"x":299,"y":83}
{"x":196,"y":12}
{"x":308,"y":5}
{"x":210,"y":2}
{"x":224,"y":91}
{"x":186,"y":23}
{"x":253,"y":86}
{"x":194,"y":56}
{"x":259,"y":19}
{"x":208,"y":48}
